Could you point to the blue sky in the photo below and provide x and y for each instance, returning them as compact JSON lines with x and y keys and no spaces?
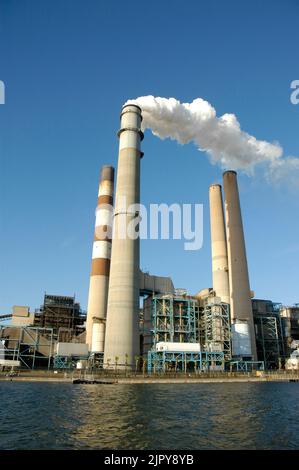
{"x":69,"y":65}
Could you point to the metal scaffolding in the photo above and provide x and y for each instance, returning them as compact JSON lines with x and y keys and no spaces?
{"x":63,"y":314}
{"x":214,"y":327}
{"x":179,"y":319}
{"x":269,"y":340}
{"x":32,"y":346}
{"x":163,"y":361}
{"x":245,"y":366}
{"x":71,"y":360}
{"x":174,"y":319}
{"x":67,"y":362}
{"x":96,"y":361}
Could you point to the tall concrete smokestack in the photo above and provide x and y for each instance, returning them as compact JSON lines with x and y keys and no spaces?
{"x":218,"y":244}
{"x":100,"y":267}
{"x":122,"y":336}
{"x":240,"y":298}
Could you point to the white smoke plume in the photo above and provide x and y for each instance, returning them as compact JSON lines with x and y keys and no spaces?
{"x":221,"y":137}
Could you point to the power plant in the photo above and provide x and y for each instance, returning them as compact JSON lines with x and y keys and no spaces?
{"x":219,"y":328}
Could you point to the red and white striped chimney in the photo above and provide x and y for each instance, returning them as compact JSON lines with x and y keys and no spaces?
{"x":100,"y":267}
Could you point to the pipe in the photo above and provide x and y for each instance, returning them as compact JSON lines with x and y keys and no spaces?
{"x":122,"y":326}
{"x":240,"y":295}
{"x":100,"y":267}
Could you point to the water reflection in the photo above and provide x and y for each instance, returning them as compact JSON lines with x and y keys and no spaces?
{"x":183,"y":416}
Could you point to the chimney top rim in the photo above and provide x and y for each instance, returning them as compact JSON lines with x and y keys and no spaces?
{"x":107,"y":166}
{"x":229,"y":171}
{"x":131,"y":104}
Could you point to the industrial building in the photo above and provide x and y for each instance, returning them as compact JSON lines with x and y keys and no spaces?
{"x":290,"y":325}
{"x":35,"y":339}
{"x":63,"y":314}
{"x":269,"y":333}
{"x":219,"y":328}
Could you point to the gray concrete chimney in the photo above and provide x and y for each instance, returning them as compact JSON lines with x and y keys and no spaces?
{"x":122,"y":327}
{"x":240,"y":295}
{"x":218,"y":244}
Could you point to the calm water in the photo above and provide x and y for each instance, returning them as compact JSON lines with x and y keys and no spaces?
{"x":183,"y":416}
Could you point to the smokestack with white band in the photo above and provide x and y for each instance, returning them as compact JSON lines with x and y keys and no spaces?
{"x":240,"y":295}
{"x":99,"y":277}
{"x":218,"y":244}
{"x":122,"y":336}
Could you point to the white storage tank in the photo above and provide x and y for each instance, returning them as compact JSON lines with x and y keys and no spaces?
{"x":241,"y":344}
{"x":177,"y":347}
{"x":98,"y":336}
{"x":71,"y":349}
{"x":293,"y":362}
{"x":9,"y":363}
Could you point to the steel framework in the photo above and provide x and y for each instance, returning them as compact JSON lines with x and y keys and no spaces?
{"x":174,"y":319}
{"x":162,"y":361}
{"x":246,"y":366}
{"x":214,"y":327}
{"x":62,"y":313}
{"x":96,"y":361}
{"x":67,"y":362}
{"x":269,"y":340}
{"x":32,"y":346}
